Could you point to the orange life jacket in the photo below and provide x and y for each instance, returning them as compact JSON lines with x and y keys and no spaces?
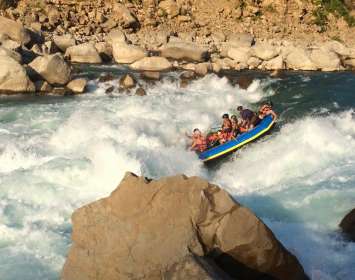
{"x":201,"y":144}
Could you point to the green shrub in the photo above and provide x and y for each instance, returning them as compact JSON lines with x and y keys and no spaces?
{"x":336,"y":7}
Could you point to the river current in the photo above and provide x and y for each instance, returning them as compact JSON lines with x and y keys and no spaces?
{"x":58,"y":153}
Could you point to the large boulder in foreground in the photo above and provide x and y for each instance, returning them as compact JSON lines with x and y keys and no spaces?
{"x":153,"y":63}
{"x":52,"y":68}
{"x":184,"y":51}
{"x":13,"y":77}
{"x":14,"y":30}
{"x":124,"y":53}
{"x":83,"y":53}
{"x":149,"y":229}
{"x":347,"y":225}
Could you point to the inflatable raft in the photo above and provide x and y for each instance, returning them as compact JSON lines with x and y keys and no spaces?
{"x":216,"y":152}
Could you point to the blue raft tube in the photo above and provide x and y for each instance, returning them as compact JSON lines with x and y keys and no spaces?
{"x":231,"y":146}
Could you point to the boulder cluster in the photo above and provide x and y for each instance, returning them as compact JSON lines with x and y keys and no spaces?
{"x":174,"y":228}
{"x":40,"y":39}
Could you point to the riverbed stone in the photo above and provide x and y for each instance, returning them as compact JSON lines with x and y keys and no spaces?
{"x":265,"y":51}
{"x":140,"y":91}
{"x":184,"y":51}
{"x":77,"y":85}
{"x":275,"y":63}
{"x":153,"y":63}
{"x":127,"y":81}
{"x":83,"y":53}
{"x":13,"y":77}
{"x":52,"y":68}
{"x":43,"y":86}
{"x":151,"y":75}
{"x":325,"y":59}
{"x":124,"y":53}
{"x":298,"y":58}
{"x":240,"y":54}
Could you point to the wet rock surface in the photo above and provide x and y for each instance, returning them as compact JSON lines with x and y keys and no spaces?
{"x":347,"y":225}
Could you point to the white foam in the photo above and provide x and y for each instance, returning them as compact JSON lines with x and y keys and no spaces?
{"x":78,"y":151}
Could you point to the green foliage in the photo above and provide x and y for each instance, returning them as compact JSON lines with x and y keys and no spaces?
{"x":336,"y":7}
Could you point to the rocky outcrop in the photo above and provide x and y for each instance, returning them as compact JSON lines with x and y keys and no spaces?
{"x":184,"y":51}
{"x":170,"y":229}
{"x":83,"y":53}
{"x":14,"y":30}
{"x":347,"y":225}
{"x":124,"y":53}
{"x":52,"y":68}
{"x":13,"y":77}
{"x":154,"y":63}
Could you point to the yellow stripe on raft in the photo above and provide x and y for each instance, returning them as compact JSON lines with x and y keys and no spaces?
{"x":240,"y":144}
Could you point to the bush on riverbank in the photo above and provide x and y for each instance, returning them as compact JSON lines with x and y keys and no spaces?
{"x":336,"y":7}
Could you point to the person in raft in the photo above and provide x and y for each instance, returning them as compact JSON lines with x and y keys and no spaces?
{"x":235,"y":126}
{"x":265,"y":110}
{"x":199,"y":142}
{"x":227,"y":124}
{"x":248,"y":118}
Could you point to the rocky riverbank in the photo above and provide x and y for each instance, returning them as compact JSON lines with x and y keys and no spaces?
{"x":174,"y":228}
{"x":40,"y":39}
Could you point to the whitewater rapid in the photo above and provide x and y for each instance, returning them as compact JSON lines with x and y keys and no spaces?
{"x":57,"y":154}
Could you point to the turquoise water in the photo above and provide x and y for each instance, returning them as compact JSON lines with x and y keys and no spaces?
{"x":58,"y":153}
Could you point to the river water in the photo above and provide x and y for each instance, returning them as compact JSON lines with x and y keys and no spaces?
{"x":58,"y":153}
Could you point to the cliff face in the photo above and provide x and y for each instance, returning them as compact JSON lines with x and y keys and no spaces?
{"x":173,"y":228}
